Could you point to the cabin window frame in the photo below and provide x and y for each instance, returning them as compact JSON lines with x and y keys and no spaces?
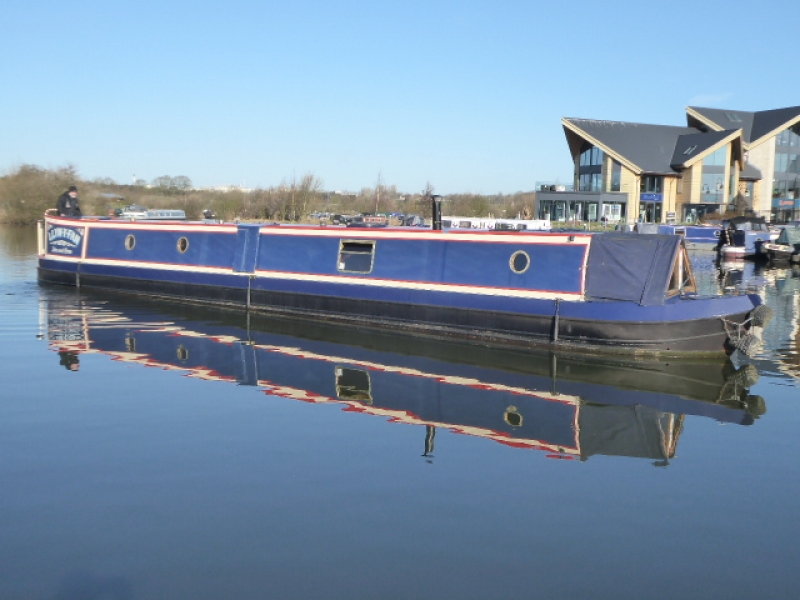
{"x":183,"y":244}
{"x":347,"y":250}
{"x":353,"y":385}
{"x":514,"y":257}
{"x":681,"y":280}
{"x":513,"y":417}
{"x":130,"y":241}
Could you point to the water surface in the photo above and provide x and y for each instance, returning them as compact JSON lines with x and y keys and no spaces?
{"x":148,"y":450}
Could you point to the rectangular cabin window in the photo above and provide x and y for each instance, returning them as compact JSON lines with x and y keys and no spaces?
{"x":353,"y":384}
{"x":356,"y":256}
{"x":682,"y":280}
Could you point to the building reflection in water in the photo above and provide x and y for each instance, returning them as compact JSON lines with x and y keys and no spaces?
{"x":570,"y":407}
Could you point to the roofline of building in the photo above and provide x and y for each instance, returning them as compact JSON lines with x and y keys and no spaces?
{"x":578,"y":131}
{"x":713,"y":148}
{"x":769,"y":134}
{"x":703,"y":118}
{"x":745,"y":144}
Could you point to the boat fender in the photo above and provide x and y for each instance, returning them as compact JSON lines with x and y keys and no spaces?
{"x":746,"y":377}
{"x":747,"y":344}
{"x":761,"y":315}
{"x":755,"y":405}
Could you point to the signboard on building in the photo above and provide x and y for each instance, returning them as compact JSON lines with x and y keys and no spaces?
{"x":651,"y":197}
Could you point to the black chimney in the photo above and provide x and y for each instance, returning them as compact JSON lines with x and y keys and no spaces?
{"x":437,"y":212}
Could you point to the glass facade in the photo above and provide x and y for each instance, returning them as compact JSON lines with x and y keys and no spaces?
{"x":590,"y":169}
{"x":694,"y":213}
{"x":713,"y":186}
{"x":717,"y":159}
{"x":786,"y":178}
{"x":651,"y":198}
{"x":580,"y":210}
{"x":650,"y":212}
{"x":616,"y":177}
{"x":651,"y":184}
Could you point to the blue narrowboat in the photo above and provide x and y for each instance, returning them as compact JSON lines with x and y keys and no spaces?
{"x":612,"y":292}
{"x":697,"y":236}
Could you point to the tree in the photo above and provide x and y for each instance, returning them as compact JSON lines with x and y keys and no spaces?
{"x":164,"y":182}
{"x":181,"y":183}
{"x":425,"y":205}
{"x":28,"y":191}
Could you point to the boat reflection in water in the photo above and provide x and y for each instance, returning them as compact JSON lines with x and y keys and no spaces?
{"x":568,"y":407}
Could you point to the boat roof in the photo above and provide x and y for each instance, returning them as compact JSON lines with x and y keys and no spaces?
{"x":790,"y":236}
{"x":635,"y":268}
{"x":744,"y":221}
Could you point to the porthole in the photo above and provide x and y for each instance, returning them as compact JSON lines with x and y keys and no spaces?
{"x":512,"y":417}
{"x":520,"y":261}
{"x":183,"y":245}
{"x":183,"y":353}
{"x":130,"y":242}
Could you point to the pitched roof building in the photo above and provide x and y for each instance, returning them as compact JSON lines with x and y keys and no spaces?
{"x":723,"y":160}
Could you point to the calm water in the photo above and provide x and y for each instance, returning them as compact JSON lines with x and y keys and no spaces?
{"x":151,"y":451}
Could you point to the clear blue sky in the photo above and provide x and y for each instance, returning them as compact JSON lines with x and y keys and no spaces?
{"x":466,"y":95}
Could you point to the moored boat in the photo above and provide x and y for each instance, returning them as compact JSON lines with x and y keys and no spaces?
{"x":490,"y":223}
{"x":696,"y":236}
{"x":786,"y":247}
{"x":139,"y":213}
{"x":598,"y":293}
{"x":742,"y":237}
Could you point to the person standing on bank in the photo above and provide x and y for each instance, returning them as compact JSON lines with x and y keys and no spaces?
{"x":68,"y":203}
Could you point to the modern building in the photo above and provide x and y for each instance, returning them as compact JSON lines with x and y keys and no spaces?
{"x":723,"y":161}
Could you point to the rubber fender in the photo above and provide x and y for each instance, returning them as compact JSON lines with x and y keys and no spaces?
{"x":761,"y":315}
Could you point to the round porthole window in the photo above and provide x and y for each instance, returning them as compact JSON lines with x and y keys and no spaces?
{"x":513,"y":417}
{"x":183,"y":245}
{"x":520,"y":261}
{"x":183,"y":353}
{"x":130,"y":242}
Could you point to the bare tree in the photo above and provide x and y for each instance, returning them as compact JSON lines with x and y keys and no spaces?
{"x":181,"y":183}
{"x":164,"y":182}
{"x":425,"y":206}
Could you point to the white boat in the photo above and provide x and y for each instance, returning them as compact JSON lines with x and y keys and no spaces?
{"x":491,"y":224}
{"x":136,"y":212}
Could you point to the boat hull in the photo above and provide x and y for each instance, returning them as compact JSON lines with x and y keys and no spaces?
{"x":422,"y":283}
{"x":578,"y":327}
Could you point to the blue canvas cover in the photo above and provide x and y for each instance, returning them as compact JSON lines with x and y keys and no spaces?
{"x":629,"y":267}
{"x":790,"y":236}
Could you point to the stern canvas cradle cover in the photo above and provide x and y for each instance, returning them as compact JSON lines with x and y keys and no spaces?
{"x":636,"y":268}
